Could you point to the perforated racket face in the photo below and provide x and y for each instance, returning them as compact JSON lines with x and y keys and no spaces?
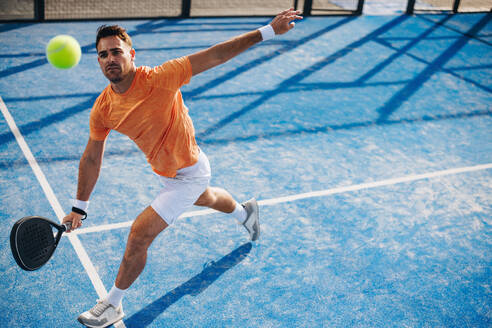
{"x":33,"y":243}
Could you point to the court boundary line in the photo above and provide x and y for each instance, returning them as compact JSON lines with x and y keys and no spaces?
{"x":313,"y":194}
{"x":55,"y":204}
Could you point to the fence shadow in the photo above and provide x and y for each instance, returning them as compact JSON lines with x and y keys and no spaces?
{"x":192,"y":287}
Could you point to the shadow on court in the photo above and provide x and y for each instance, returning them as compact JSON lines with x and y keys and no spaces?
{"x":385,"y":111}
{"x":34,"y":126}
{"x":192,"y":287}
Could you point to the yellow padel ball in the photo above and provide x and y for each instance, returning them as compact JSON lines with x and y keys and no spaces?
{"x":63,"y":51}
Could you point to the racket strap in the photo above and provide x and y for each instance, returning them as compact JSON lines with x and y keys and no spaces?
{"x":80,"y":211}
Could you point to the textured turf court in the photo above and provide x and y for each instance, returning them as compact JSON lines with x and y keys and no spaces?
{"x":367,"y":140}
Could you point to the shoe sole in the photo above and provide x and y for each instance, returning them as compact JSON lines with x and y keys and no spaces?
{"x":105,"y":325}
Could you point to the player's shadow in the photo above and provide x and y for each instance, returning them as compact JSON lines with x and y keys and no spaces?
{"x":192,"y":287}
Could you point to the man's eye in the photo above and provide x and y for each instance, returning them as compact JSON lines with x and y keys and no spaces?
{"x":103,"y":55}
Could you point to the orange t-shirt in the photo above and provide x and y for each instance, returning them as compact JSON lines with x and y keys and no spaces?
{"x":152,"y":113}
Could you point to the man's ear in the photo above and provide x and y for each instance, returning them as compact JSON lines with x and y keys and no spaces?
{"x":132,"y":53}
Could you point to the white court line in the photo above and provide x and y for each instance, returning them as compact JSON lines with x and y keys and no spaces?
{"x":320,"y":193}
{"x":55,"y":204}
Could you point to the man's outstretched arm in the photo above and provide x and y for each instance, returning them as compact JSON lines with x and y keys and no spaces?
{"x":222,"y":52}
{"x":89,"y":168}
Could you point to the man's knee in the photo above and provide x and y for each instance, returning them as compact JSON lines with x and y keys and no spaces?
{"x":145,"y":228}
{"x":138,"y":241}
{"x":207,"y":198}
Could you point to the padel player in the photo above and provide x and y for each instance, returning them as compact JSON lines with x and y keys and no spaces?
{"x":146,"y":105}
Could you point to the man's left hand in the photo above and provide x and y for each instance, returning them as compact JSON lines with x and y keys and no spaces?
{"x":283,"y":22}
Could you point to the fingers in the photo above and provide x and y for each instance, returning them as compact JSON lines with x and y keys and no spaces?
{"x":291,"y":12}
{"x":289,"y":15}
{"x":75,"y":220}
{"x":283,"y":22}
{"x":68,"y":220}
{"x":76,"y":223}
{"x":285,"y":11}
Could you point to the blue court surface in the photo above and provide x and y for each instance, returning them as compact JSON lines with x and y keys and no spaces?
{"x":367,"y":141}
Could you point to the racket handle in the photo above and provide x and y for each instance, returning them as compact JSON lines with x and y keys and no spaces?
{"x":67,"y":226}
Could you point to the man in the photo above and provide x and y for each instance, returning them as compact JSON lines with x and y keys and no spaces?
{"x":145,"y":104}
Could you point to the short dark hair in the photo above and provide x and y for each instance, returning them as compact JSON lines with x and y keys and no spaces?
{"x":113,"y":30}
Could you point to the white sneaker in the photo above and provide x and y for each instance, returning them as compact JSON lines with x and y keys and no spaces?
{"x":101,"y":315}
{"x":252,"y":222}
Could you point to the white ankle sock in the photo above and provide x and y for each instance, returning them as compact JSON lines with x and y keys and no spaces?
{"x":115,"y":296}
{"x":240,"y":213}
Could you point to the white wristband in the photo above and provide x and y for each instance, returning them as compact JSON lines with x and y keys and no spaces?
{"x":83,"y":205}
{"x":267,"y":32}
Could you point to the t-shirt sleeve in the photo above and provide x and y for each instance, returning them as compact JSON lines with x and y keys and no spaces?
{"x":175,"y":73}
{"x":96,"y":122}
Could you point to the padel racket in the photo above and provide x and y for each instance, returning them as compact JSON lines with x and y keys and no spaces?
{"x":33,"y":241}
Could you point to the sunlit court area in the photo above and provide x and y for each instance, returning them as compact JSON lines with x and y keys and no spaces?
{"x":364,"y":133}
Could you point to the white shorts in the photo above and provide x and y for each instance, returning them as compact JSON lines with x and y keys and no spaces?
{"x":181,"y":192}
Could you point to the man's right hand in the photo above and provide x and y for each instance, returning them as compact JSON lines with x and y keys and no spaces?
{"x":75,"y":219}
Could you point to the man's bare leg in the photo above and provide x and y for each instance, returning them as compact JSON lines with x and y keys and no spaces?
{"x":149,"y":224}
{"x":246,"y":214}
{"x":109,"y":310}
{"x":217,"y":198}
{"x":145,"y":228}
